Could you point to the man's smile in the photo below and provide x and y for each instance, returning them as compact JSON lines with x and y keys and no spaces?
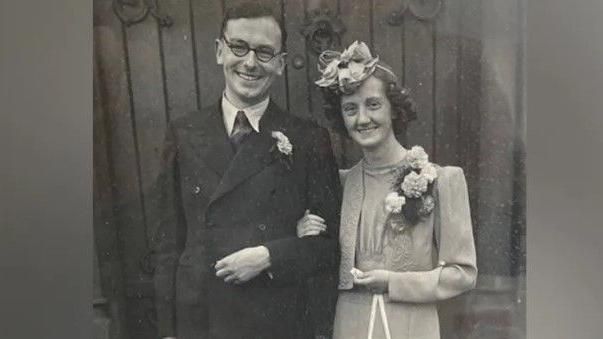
{"x":248,"y":76}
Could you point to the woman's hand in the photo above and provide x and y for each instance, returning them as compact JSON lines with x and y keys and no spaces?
{"x":310,"y":224}
{"x":376,"y":280}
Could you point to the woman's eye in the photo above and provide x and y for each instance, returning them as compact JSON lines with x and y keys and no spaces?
{"x":349,"y":109}
{"x":374,"y":105}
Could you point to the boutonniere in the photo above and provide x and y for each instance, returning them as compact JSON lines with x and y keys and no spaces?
{"x":284,"y":148}
{"x":411,"y":195}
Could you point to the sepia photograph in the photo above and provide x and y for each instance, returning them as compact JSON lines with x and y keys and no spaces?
{"x":309,"y":169}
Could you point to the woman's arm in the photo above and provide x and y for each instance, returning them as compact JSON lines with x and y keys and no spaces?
{"x":456,"y":271}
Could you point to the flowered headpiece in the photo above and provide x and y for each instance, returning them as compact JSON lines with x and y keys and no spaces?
{"x":346,"y":71}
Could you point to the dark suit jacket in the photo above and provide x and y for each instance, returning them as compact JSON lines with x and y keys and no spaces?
{"x":211,"y":202}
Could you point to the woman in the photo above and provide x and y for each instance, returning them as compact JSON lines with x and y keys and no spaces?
{"x":406,"y":236}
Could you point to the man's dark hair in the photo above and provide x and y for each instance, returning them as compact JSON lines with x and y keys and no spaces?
{"x":249,"y":9}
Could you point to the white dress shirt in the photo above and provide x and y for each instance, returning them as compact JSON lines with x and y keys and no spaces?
{"x":253,"y":113}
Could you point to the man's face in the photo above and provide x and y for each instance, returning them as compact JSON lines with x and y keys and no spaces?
{"x":248,"y":79}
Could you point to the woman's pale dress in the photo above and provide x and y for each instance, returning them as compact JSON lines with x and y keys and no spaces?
{"x":431,"y":260}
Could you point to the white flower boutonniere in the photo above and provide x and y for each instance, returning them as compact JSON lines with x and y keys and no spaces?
{"x":284,"y":147}
{"x":282,"y":143}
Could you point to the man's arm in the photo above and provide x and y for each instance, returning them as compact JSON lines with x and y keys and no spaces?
{"x":295,"y":258}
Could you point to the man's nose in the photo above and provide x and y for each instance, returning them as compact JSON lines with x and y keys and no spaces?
{"x":251,"y":60}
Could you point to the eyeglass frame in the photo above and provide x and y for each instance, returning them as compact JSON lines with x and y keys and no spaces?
{"x":249,"y":49}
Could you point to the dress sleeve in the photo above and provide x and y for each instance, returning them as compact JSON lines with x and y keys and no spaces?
{"x":456,"y":271}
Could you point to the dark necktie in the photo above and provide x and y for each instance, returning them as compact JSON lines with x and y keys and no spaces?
{"x":240,"y":130}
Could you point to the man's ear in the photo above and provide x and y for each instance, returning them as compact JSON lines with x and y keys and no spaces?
{"x":219,"y":51}
{"x":282,"y":62}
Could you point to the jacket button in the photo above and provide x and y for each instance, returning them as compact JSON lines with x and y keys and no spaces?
{"x":196,"y":189}
{"x":262,"y":227}
{"x":210,"y":224}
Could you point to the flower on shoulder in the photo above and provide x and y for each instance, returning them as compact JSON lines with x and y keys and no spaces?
{"x":417,"y":158}
{"x":414,"y":185}
{"x":394,"y":202}
{"x":429,"y":172}
{"x":282,"y":143}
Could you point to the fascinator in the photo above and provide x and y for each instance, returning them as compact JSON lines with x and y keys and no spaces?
{"x":345,"y":71}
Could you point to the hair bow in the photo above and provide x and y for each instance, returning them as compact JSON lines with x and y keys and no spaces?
{"x":346,"y":71}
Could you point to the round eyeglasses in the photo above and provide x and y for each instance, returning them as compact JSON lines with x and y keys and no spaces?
{"x":241,"y":48}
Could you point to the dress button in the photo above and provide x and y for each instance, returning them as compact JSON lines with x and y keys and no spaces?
{"x":262,"y":227}
{"x":196,"y":189}
{"x":210,"y":224}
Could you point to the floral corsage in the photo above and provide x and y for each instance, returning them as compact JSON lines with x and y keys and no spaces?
{"x":411,"y":196}
{"x":283,"y":149}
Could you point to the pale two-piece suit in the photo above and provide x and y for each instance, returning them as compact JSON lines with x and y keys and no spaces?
{"x":438,"y":262}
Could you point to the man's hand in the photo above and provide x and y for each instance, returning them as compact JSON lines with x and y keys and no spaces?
{"x":243,"y":265}
{"x":376,"y":280}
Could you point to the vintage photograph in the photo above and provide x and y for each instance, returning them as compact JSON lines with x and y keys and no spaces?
{"x":309,"y":169}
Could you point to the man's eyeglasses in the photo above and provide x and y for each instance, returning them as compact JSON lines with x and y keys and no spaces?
{"x":242,"y":48}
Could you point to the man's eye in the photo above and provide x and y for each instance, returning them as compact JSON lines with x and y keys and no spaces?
{"x":267,"y":52}
{"x":239,"y":48}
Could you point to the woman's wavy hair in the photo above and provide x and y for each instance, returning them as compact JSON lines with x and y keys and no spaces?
{"x":404,"y":109}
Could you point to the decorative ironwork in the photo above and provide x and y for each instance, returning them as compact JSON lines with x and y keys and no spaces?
{"x":131,"y":12}
{"x":322,"y":30}
{"x":421,"y":9}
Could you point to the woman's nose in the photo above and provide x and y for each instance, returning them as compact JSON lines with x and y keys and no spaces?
{"x":363,"y":117}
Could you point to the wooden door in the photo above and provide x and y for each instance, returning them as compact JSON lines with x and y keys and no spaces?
{"x":155,"y":61}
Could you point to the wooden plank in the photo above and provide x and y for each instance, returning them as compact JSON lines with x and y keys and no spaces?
{"x":207,"y":18}
{"x":314,"y":99}
{"x":104,"y":223}
{"x":114,"y":81}
{"x":418,"y":76}
{"x":356,"y":16}
{"x":297,"y":78}
{"x":469,"y":96}
{"x":113,"y":72}
{"x":149,"y":105}
{"x":447,"y":30}
{"x":178,"y":58}
{"x":388,"y":40}
{"x":278,"y":91}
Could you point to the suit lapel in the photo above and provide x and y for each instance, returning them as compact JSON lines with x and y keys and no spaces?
{"x":210,"y":141}
{"x":254,"y":155}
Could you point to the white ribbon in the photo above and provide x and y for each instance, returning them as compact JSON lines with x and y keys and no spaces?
{"x":378,"y":300}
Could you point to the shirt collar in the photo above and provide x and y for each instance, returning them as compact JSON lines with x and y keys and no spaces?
{"x":253,"y":113}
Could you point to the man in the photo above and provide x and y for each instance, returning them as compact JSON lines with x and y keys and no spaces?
{"x":236,"y":178}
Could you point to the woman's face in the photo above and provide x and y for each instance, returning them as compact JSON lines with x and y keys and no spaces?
{"x":367,"y":114}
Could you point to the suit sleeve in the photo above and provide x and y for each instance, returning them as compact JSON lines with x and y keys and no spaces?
{"x":456,"y":271}
{"x":315,"y":259}
{"x":298,"y":258}
{"x":165,"y":209}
